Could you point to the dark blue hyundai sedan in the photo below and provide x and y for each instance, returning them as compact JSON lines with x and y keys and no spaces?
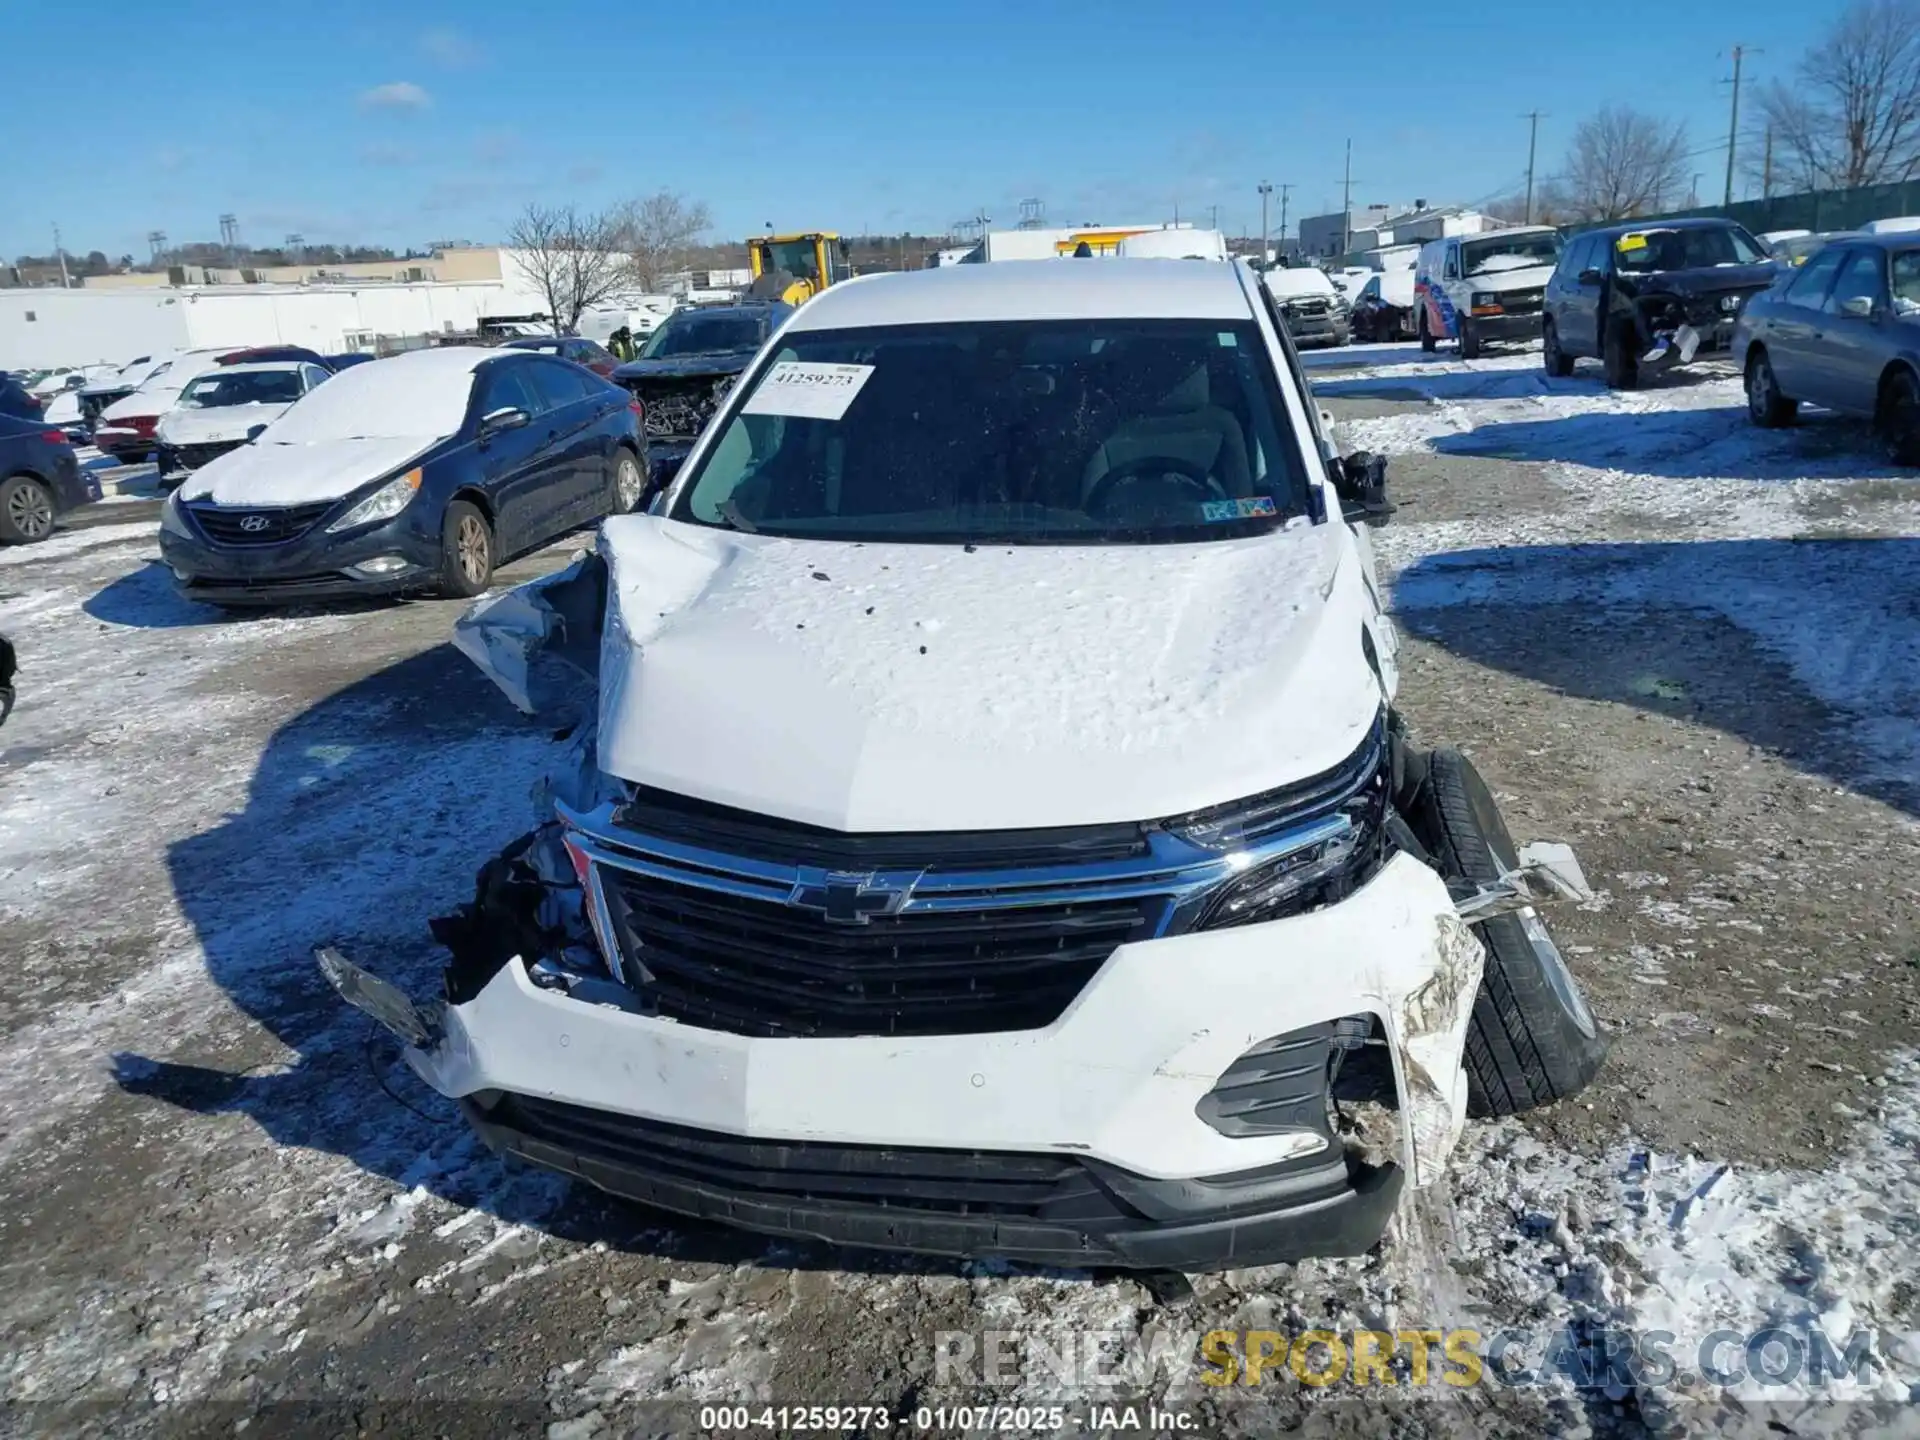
{"x":419,"y":472}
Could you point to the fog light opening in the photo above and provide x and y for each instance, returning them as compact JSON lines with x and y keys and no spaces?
{"x":379,"y":565}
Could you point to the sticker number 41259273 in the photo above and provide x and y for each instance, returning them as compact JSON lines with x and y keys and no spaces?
{"x":807,"y":389}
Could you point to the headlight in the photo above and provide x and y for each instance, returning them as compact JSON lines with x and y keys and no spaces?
{"x":383,"y":504}
{"x":171,"y":520}
{"x":1729,"y":302}
{"x":1484,"y":297}
{"x":1303,"y":846}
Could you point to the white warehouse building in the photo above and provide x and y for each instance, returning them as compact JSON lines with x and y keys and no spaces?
{"x":48,"y":327}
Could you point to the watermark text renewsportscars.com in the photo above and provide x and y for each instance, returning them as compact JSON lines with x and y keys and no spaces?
{"x":1788,"y":1358}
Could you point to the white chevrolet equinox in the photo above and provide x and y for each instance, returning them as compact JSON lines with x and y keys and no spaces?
{"x":997,"y":837}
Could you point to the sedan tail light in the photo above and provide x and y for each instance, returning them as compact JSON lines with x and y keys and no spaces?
{"x":54,"y":437}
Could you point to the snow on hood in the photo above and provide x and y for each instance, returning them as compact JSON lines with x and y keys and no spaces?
{"x":268,"y":472}
{"x":203,"y":424}
{"x":1500,"y":264}
{"x":1285,"y":282}
{"x":917,"y":687}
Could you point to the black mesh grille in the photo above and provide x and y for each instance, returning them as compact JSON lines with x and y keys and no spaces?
{"x":194,"y":456}
{"x":230,"y":525}
{"x":752,"y":967}
{"x":950,"y":1181}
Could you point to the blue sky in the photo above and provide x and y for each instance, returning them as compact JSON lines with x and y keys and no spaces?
{"x":397,"y":125}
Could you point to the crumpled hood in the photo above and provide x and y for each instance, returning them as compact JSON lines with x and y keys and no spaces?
{"x":918,"y":687}
{"x":725,"y":362}
{"x":1708,"y":280}
{"x":265,"y":473}
{"x":205,"y":425}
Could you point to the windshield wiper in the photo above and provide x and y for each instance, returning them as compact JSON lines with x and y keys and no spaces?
{"x":730,"y":512}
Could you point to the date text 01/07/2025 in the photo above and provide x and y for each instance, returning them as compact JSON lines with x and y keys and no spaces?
{"x":1025,"y":1419}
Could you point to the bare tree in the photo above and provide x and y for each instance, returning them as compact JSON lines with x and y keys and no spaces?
{"x":658,"y":230}
{"x":576,"y":258}
{"x":1623,"y":163}
{"x":1851,"y":114}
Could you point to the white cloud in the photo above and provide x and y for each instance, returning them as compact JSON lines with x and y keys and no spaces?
{"x":400,"y":95}
{"x":451,"y":49}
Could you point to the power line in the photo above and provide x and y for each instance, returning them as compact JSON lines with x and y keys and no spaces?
{"x":1533,"y":138}
{"x":1733,"y":124}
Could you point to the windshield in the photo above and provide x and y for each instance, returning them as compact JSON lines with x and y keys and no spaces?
{"x":420,"y":395}
{"x":691,"y":333}
{"x":796,"y":257}
{"x":1494,"y":253}
{"x":1695,"y":248}
{"x":258,"y":387}
{"x":1015,"y":432}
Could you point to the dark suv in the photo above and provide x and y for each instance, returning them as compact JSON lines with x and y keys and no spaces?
{"x":1650,"y":295}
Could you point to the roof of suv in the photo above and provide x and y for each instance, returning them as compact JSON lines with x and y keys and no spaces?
{"x":1690,"y":222}
{"x":1032,"y":290}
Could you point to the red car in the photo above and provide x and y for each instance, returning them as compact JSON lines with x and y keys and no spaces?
{"x":571,"y":347}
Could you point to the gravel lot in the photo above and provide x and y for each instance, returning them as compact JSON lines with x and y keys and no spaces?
{"x":1687,"y":647}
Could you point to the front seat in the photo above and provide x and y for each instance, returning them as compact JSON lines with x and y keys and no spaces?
{"x":1182,"y":424}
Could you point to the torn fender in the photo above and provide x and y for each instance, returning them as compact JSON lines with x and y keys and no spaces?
{"x":1429,"y":1037}
{"x":558,"y":615}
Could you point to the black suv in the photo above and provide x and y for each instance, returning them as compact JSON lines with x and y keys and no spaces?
{"x":1650,"y":295}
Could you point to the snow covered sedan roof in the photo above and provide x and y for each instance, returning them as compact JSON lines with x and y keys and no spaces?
{"x":256,"y":367}
{"x":419,"y":394}
{"x":1031,"y":290}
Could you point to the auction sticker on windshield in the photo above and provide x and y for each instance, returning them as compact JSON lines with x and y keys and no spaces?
{"x":1215,"y":510}
{"x":807,"y":389}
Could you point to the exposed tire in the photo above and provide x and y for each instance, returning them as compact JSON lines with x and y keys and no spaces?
{"x":466,"y":551}
{"x":1531,"y":1039}
{"x":1766,"y":406}
{"x":1898,"y":418}
{"x":1469,"y":340}
{"x":628,"y":484}
{"x":1559,"y":364}
{"x":1617,"y":358}
{"x":1427,"y":342}
{"x":26,"y":510}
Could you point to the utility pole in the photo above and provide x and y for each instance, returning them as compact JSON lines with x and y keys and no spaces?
{"x":1213,"y":217}
{"x":1533,"y":141}
{"x":1265,"y":190}
{"x":1733,"y":123}
{"x":59,"y":250}
{"x":1693,"y":191}
{"x":1766,"y":169}
{"x":1346,"y":202}
{"x":1283,"y":215}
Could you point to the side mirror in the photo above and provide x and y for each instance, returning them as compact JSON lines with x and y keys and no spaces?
{"x":1857,"y":307}
{"x":254,"y":432}
{"x":1360,"y":480}
{"x":1591,"y":276}
{"x":507,"y":417}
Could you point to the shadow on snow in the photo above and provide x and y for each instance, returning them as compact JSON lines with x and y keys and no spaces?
{"x":1810,"y":649}
{"x":367,"y":815}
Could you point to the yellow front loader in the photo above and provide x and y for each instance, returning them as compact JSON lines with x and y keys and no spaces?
{"x":795,"y":268}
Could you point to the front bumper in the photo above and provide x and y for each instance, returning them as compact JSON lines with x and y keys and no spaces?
{"x":72,"y":486}
{"x":127,"y":446}
{"x":1522,"y":326}
{"x":313,"y":566}
{"x":1113,"y":1087}
{"x":1328,"y":329}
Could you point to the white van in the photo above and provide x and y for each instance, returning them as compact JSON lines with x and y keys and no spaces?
{"x":1476,"y":288}
{"x":1174,"y":245}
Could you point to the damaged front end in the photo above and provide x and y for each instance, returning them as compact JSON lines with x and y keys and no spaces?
{"x":1065,"y":1047}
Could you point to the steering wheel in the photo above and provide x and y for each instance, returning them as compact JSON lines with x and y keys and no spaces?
{"x":1184,"y":474}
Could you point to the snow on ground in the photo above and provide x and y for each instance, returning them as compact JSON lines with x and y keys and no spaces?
{"x":189,"y":803}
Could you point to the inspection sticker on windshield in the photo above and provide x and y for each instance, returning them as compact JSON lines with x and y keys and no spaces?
{"x":1238,"y":509}
{"x":1632,"y":240}
{"x":808,"y":389}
